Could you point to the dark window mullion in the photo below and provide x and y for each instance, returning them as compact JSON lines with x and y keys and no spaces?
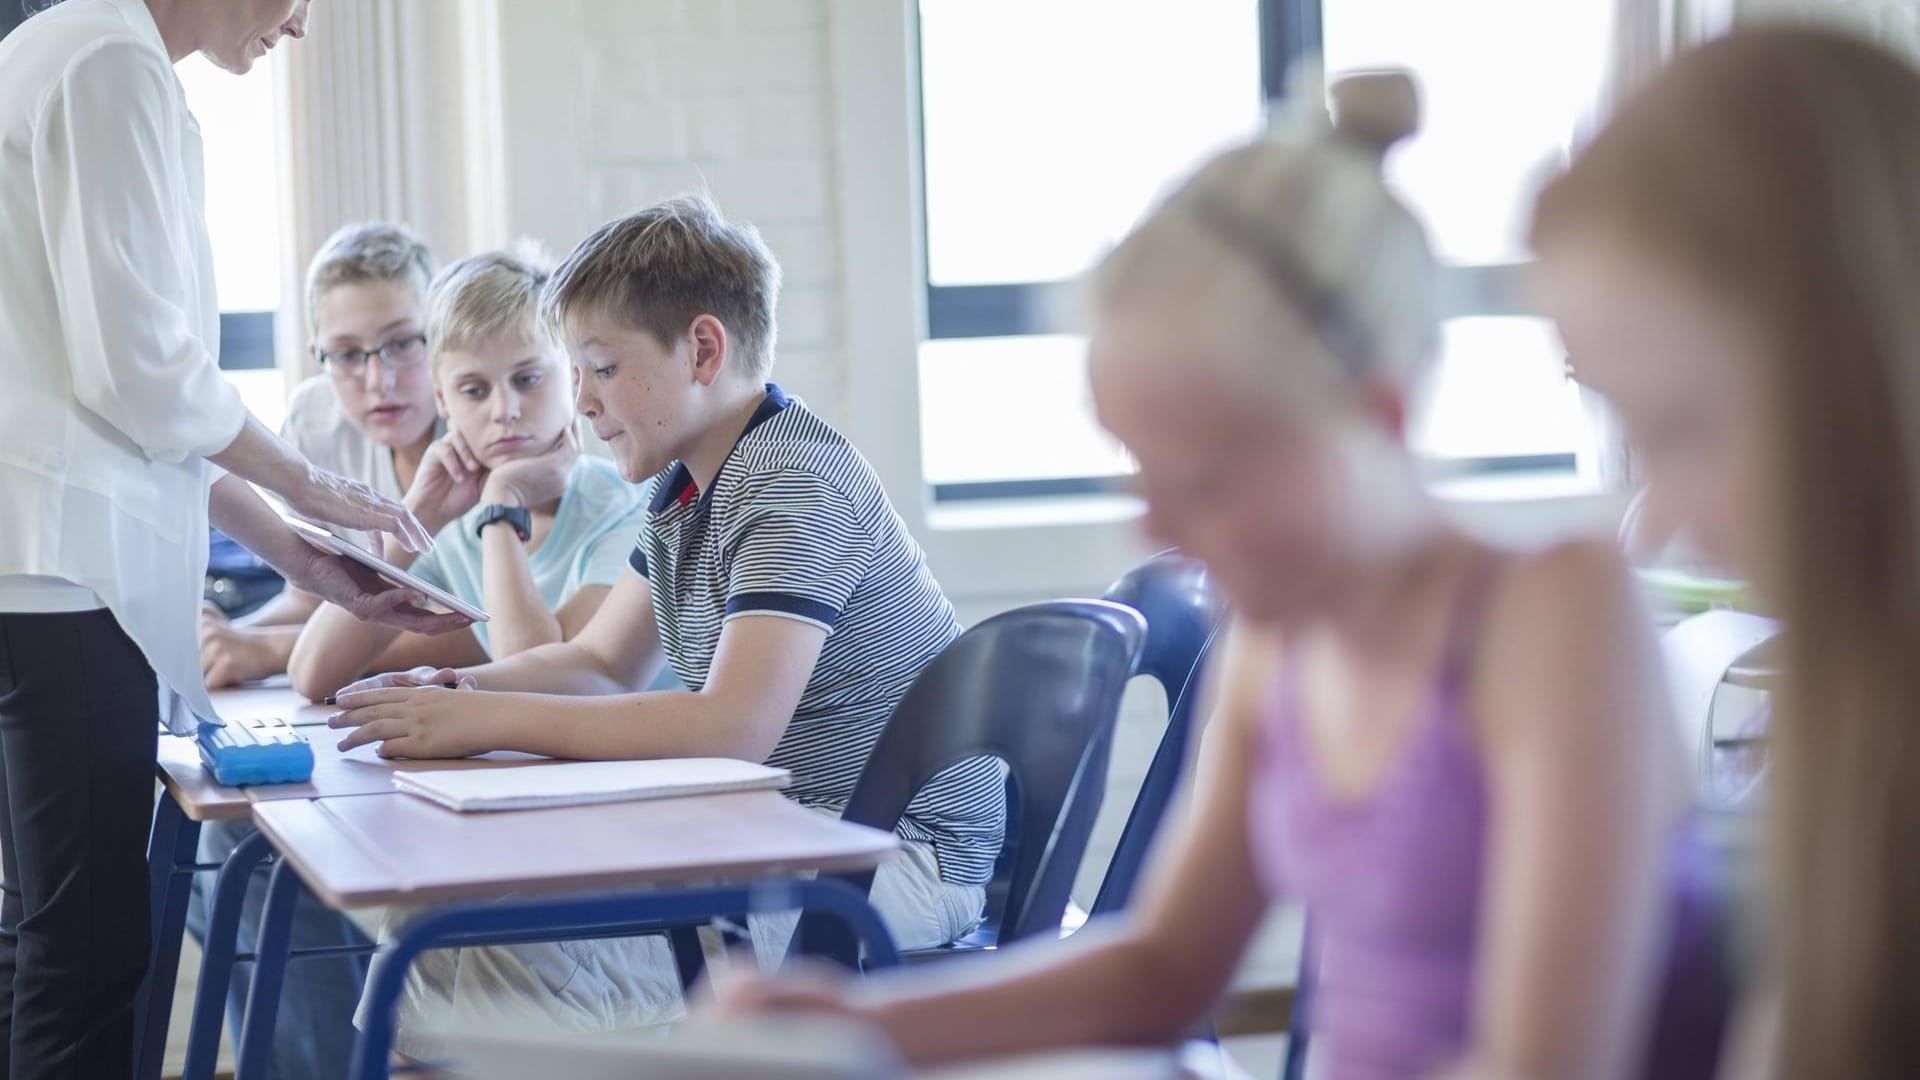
{"x":246,"y":340}
{"x":1289,"y":31}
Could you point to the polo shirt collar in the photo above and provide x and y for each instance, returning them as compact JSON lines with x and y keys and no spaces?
{"x":679,"y":489}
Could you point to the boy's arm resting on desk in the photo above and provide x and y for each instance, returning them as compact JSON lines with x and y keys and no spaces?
{"x":617,"y":651}
{"x":759,"y":672}
{"x":335,"y":648}
{"x":290,"y":607}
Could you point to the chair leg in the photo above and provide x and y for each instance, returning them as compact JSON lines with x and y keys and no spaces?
{"x":216,"y":959}
{"x":254,"y":1055}
{"x":172,"y":849}
{"x":1294,"y":1065}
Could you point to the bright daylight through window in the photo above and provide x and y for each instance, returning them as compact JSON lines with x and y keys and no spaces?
{"x":1050,"y":126}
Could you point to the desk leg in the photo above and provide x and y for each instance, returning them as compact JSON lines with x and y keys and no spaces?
{"x":254,"y":1055}
{"x":216,"y":964}
{"x":172,"y":850}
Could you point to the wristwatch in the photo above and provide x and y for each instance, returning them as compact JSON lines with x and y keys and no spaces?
{"x":516,"y":516}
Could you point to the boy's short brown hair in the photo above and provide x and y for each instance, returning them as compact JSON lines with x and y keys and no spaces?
{"x":369,"y":252}
{"x":659,"y":269}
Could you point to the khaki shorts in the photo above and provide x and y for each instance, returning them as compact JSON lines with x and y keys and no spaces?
{"x":616,"y":984}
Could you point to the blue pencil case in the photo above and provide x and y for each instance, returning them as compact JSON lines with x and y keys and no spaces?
{"x":258,"y":751}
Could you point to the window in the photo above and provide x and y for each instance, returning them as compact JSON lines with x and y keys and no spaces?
{"x":1050,"y":126}
{"x":236,"y":115}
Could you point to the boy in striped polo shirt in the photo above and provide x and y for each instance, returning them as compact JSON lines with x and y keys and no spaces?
{"x":773,"y":574}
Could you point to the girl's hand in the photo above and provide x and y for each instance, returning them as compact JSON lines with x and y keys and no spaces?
{"x":416,"y":722}
{"x":801,"y":987}
{"x":532,"y":481}
{"x":330,"y":499}
{"x":448,"y":483}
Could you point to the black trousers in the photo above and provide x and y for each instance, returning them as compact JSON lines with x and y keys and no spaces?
{"x":78,"y":730}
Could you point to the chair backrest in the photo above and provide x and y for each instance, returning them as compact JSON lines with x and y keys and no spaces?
{"x":1184,"y":611}
{"x":1039,"y":688}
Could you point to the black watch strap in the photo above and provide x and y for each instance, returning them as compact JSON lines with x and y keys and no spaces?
{"x":516,"y":516}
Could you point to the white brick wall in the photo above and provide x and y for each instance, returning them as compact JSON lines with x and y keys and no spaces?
{"x":727,"y":97}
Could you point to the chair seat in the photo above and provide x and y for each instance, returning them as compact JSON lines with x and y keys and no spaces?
{"x":984,"y":938}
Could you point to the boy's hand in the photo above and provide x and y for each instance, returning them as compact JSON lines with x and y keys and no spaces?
{"x":448,"y":483}
{"x":229,"y":654}
{"x":417,"y":722}
{"x":532,"y":481}
{"x":419,"y":676}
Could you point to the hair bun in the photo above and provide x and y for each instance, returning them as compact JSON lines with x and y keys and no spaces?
{"x":1375,"y":109}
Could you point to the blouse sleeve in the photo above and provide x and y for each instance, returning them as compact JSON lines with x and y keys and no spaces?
{"x":106,"y":186}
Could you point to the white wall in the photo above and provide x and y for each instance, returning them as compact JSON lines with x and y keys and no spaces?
{"x":613,"y":104}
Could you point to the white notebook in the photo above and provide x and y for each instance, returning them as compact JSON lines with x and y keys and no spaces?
{"x":579,"y":783}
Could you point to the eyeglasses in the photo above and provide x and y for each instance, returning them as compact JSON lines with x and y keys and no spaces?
{"x":399,"y":354}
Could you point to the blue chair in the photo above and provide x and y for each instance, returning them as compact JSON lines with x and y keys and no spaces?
{"x":1039,"y":688}
{"x":1184,"y":612}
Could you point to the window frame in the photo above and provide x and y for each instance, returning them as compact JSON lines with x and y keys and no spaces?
{"x":246,"y":341}
{"x":1290,"y":31}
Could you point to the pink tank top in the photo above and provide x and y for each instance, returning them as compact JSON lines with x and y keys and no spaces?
{"x":1392,"y":885}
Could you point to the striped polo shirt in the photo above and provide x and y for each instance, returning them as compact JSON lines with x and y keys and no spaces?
{"x":796,"y":526}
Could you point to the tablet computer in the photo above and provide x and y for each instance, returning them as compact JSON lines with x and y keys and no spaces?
{"x":334,"y":545}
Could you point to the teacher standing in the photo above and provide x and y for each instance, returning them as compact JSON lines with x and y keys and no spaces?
{"x":113,"y":418}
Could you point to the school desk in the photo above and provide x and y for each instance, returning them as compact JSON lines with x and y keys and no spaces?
{"x":190,"y":796}
{"x":607,"y":870}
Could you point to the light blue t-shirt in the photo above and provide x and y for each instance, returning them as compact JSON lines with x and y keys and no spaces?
{"x":594,"y":530}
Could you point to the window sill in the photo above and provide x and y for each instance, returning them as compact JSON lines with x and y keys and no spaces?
{"x":969,"y":515}
{"x":972,"y":515}
{"x":1512,"y":487}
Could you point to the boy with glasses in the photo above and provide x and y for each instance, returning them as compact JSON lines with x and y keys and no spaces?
{"x":369,"y":415}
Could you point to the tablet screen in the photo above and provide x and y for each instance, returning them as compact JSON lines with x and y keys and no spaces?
{"x":332,"y":544}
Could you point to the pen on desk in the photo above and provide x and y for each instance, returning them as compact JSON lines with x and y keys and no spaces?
{"x":454,"y":685}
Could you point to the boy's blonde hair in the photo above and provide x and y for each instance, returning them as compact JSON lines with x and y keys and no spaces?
{"x":369,"y":252}
{"x":659,"y":269}
{"x":485,"y":296}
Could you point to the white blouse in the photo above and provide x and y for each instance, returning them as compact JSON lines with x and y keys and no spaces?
{"x":110,"y":393}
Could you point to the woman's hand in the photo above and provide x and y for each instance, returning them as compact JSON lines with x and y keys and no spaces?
{"x":533,"y":481}
{"x":331,"y":499}
{"x":417,"y":722}
{"x":448,"y":483}
{"x":366,"y":595}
